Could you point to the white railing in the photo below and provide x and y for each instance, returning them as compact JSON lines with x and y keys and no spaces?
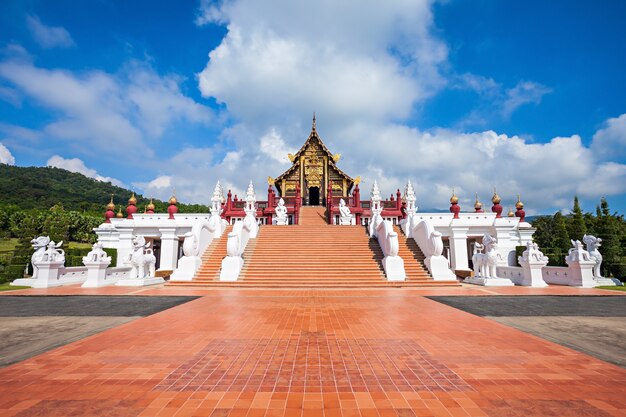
{"x":195,"y":243}
{"x":388,"y":241}
{"x":431,"y":244}
{"x":238,"y":239}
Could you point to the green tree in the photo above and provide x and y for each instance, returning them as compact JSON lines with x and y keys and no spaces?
{"x":561,"y":237}
{"x":609,"y":231}
{"x":577,"y":227}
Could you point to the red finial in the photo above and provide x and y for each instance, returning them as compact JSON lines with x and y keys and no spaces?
{"x":132,"y":206}
{"x":454,"y":207}
{"x":109,"y":214}
{"x":172,"y":209}
{"x":496,"y":208}
{"x":519,"y":212}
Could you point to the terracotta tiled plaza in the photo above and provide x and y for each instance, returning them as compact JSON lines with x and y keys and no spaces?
{"x":384,"y":352}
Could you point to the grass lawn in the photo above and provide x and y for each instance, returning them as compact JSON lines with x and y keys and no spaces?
{"x":7,"y":287}
{"x":616,"y":288}
{"x":8,"y":244}
{"x":79,"y":245}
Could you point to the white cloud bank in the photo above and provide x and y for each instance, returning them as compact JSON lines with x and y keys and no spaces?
{"x":49,"y":36}
{"x":366,"y":68}
{"x":77,"y":165}
{"x":5,"y":156}
{"x":114,"y":114}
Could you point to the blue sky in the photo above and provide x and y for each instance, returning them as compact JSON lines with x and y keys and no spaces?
{"x":526,"y":96}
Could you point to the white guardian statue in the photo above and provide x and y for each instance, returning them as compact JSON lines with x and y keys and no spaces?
{"x":281,"y":218}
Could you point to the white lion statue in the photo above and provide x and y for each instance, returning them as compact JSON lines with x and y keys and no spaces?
{"x":46,"y":251}
{"x":593,"y":243}
{"x":142,"y":261}
{"x":485,"y":264}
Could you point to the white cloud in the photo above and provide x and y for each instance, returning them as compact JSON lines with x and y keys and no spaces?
{"x":281,"y":59}
{"x":160,"y":101}
{"x":609,"y":143}
{"x":5,"y":156}
{"x":77,"y":165}
{"x":49,"y":36}
{"x":524,"y":92}
{"x":97,"y":109}
{"x":273,"y":145}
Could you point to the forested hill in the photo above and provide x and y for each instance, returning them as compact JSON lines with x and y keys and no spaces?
{"x":39,"y":188}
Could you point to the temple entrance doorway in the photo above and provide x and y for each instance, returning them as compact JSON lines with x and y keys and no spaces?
{"x":314,"y":196}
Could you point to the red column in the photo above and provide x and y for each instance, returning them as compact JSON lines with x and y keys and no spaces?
{"x":297,"y":204}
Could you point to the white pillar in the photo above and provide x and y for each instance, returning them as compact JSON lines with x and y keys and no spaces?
{"x":48,"y":274}
{"x":581,"y":273}
{"x":125,"y":248}
{"x":169,"y":249}
{"x":97,"y":275}
{"x":531,"y":273}
{"x":458,"y":248}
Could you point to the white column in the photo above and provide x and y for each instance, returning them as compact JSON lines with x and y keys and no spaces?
{"x":97,"y":274}
{"x":581,"y":273}
{"x":125,"y":248}
{"x":458,"y":248}
{"x":531,"y":273}
{"x":169,"y":249}
{"x":48,"y":274}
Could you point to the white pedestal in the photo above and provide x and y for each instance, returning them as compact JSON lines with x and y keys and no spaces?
{"x":607,"y":282}
{"x":489,"y":282}
{"x":47,"y":275}
{"x":346,"y":221}
{"x":97,"y":275}
{"x":581,"y":273}
{"x":532,"y":275}
{"x":231,"y":268}
{"x":281,"y":222}
{"x":394,"y":268}
{"x":187,"y":268}
{"x":139,"y":282}
{"x":24,"y":282}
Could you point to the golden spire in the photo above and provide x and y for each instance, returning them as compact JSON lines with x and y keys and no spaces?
{"x":111,"y":205}
{"x":454,"y":199}
{"x":151,"y":205}
{"x":313,"y":127}
{"x":519,"y":204}
{"x":510,"y":213}
{"x":173,"y":197}
{"x":477,"y":204}
{"x":496,"y":198}
{"x":119,"y":214}
{"x":132,"y":200}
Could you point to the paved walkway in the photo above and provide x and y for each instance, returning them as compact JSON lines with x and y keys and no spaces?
{"x":313,"y":353}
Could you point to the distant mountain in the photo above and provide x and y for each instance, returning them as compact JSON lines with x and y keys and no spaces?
{"x":26,"y":188}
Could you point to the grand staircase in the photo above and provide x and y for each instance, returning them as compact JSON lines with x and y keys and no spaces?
{"x":313,"y":254}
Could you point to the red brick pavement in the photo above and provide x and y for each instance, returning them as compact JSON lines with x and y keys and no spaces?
{"x":312,"y":353}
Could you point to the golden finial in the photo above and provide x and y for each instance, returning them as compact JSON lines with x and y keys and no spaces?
{"x":313,"y":127}
{"x":111,"y":205}
{"x":132,"y":199}
{"x":454,"y":199}
{"x":119,"y":214}
{"x":510,"y":213}
{"x":151,"y":205}
{"x":336,"y":157}
{"x":477,"y":204}
{"x":270,"y":180}
{"x":519,"y":204}
{"x":291,"y":157}
{"x":357,"y":180}
{"x":173,"y":197}
{"x":496,"y":198}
